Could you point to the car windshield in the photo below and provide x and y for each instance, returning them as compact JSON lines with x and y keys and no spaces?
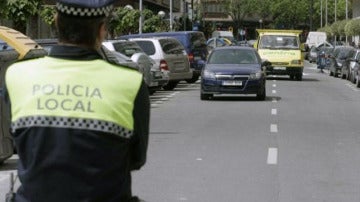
{"x":233,"y":56}
{"x":342,"y":52}
{"x":279,"y":42}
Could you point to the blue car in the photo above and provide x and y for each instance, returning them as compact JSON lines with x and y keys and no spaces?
{"x":234,"y":70}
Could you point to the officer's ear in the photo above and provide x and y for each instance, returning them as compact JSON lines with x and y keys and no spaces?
{"x":102,"y":33}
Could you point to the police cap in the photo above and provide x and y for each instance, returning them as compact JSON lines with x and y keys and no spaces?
{"x":85,"y":8}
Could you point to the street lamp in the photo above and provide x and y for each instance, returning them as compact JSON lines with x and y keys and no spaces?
{"x":141,"y":16}
{"x":129,"y":7}
{"x":161,"y":14}
{"x":171,"y":15}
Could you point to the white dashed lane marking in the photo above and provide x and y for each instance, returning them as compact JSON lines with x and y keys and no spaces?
{"x":273,"y":111}
{"x":273,"y":128}
{"x":272,"y":157}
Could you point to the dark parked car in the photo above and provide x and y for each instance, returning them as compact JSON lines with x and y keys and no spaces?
{"x":337,"y":59}
{"x":234,"y":70}
{"x":348,"y":70}
{"x":194,"y":43}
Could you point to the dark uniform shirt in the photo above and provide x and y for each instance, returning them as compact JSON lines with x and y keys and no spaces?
{"x":68,"y":164}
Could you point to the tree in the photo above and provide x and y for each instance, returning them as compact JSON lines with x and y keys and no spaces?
{"x":47,"y":14}
{"x":289,"y":14}
{"x":352,"y":28}
{"x":238,"y":10}
{"x":22,"y":12}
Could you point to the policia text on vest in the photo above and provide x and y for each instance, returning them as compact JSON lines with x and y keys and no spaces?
{"x":61,"y":97}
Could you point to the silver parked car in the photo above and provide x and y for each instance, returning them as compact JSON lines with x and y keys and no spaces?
{"x":170,"y":55}
{"x":154,"y":77}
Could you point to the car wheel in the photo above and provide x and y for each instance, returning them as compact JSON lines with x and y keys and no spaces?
{"x":193,"y":79}
{"x":204,"y":96}
{"x":331,"y":73}
{"x":357,"y":82}
{"x":170,"y":85}
{"x":353,"y":78}
{"x":299,"y":77}
{"x":261,"y":95}
{"x":343,"y":76}
{"x":292,"y":77}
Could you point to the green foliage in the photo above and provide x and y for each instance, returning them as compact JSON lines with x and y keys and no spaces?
{"x":289,"y":14}
{"x":126,"y":21}
{"x":47,"y":13}
{"x":352,"y":28}
{"x":326,"y":29}
{"x":20,"y":10}
{"x":335,"y":28}
{"x":341,"y":27}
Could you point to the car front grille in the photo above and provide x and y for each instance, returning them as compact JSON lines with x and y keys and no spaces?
{"x":279,"y":63}
{"x":232,"y":77}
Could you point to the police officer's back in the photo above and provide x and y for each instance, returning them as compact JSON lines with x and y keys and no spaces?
{"x":80,"y":124}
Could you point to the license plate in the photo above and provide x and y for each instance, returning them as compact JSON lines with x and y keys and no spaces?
{"x":197,"y":58}
{"x":280,"y":68}
{"x":232,"y":83}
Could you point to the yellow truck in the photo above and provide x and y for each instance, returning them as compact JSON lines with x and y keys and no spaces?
{"x":283,"y":49}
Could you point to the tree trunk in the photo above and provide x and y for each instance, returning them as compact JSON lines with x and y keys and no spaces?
{"x":32,"y":27}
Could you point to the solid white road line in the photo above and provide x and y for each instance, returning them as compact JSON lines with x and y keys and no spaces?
{"x":272,"y":157}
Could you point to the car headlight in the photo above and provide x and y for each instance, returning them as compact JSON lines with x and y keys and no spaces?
{"x":255,"y":76}
{"x":208,"y":74}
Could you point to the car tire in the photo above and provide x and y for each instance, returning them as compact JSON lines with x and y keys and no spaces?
{"x":343,"y":76}
{"x":204,"y":96}
{"x":353,"y":78}
{"x":261,"y":95}
{"x":193,"y":79}
{"x":299,"y":77}
{"x":357,"y":82}
{"x":170,"y":85}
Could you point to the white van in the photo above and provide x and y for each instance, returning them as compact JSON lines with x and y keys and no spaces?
{"x":315,"y":38}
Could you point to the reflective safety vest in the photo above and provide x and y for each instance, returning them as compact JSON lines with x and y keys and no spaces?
{"x":90,"y":94}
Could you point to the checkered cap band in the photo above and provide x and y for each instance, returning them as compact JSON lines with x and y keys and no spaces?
{"x":73,"y":123}
{"x":84,"y":12}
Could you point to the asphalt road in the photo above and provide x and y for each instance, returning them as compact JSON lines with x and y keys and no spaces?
{"x":302,"y":144}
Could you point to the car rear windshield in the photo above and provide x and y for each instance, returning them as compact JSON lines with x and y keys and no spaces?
{"x":147,"y":46}
{"x":171,"y":46}
{"x":127,"y":48}
{"x":198,"y":40}
{"x":233,"y":56}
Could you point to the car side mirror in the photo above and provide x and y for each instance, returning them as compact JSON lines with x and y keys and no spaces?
{"x":266,"y":63}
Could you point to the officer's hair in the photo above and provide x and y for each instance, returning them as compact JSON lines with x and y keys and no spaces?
{"x":77,"y":30}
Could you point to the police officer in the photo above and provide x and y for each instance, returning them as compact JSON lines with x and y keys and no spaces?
{"x":80,"y":124}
